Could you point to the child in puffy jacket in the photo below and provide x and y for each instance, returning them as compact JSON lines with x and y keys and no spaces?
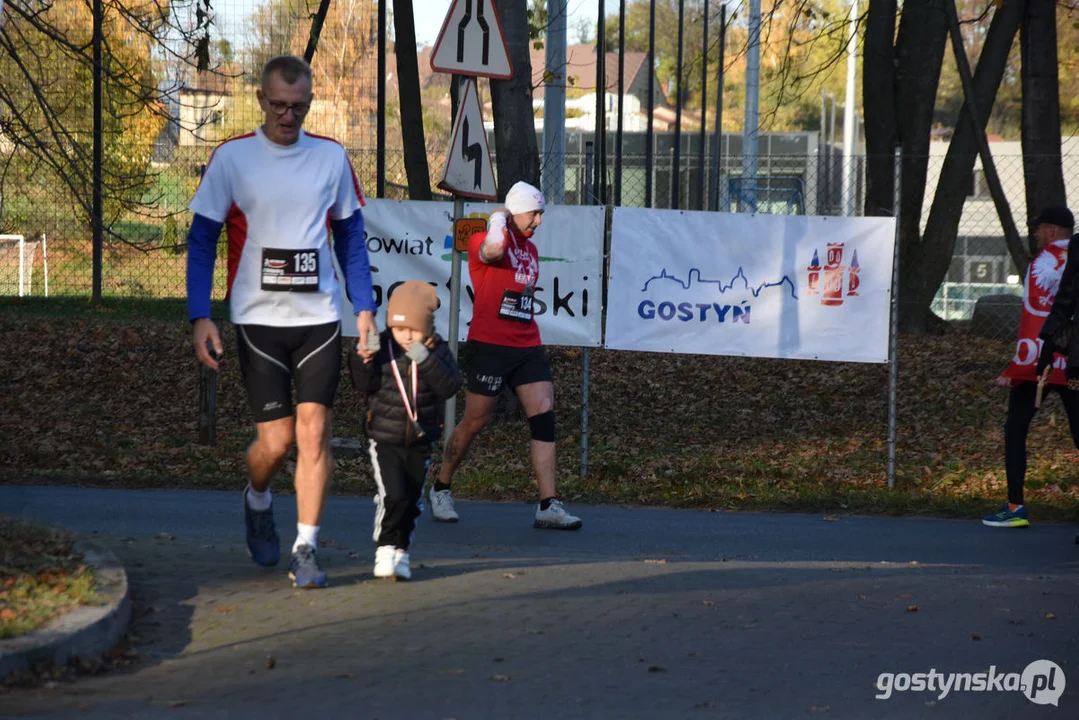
{"x":405,"y":384}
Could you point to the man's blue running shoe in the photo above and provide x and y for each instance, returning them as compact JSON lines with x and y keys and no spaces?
{"x":263,"y":544}
{"x":1007,"y":518}
{"x":304,"y":571}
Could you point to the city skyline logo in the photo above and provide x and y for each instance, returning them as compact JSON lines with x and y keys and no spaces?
{"x":693,"y":277}
{"x":703,"y":306}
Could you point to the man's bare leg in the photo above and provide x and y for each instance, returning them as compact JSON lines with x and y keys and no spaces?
{"x":314,"y":468}
{"x":267,"y":453}
{"x":314,"y":460}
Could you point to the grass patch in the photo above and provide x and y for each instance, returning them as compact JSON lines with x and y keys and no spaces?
{"x":154,"y":267}
{"x":109,"y":308}
{"x":41,"y":576}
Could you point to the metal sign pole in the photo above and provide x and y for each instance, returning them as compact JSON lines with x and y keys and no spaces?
{"x":468,"y":47}
{"x":455,"y":314}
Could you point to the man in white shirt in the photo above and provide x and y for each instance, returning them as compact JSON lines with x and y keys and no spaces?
{"x":276,"y":190}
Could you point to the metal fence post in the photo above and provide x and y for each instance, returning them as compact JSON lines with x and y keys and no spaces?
{"x":893,"y":334}
{"x":589,"y":200}
{"x":97,"y":212}
{"x":713,"y":204}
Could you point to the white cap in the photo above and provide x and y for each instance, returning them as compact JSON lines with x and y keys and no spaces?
{"x":523,"y":198}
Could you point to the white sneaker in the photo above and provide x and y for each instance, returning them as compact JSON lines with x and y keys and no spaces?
{"x":442,"y":506}
{"x":555,"y":517}
{"x":384,"y":561}
{"x":400,"y":564}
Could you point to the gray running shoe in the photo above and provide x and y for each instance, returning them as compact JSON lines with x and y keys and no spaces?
{"x":442,"y":506}
{"x":304,"y":570}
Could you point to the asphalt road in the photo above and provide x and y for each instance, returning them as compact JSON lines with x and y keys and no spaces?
{"x":645,"y":613}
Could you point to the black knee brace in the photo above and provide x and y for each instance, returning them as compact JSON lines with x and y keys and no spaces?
{"x":542,"y":426}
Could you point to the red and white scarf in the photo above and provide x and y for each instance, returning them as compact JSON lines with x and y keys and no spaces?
{"x":1040,"y":288}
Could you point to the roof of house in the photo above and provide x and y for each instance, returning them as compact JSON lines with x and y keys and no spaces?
{"x":216,"y":82}
{"x":580,"y":69}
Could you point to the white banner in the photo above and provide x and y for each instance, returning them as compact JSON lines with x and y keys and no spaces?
{"x":781,"y":286}
{"x":412,"y":240}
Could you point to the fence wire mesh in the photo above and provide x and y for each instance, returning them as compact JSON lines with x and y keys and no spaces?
{"x":145,"y":251}
{"x":44,"y":222}
{"x":792,"y":173}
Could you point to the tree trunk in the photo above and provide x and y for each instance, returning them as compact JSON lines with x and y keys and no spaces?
{"x":515,"y":125}
{"x":938,"y":244}
{"x":408,"y":84}
{"x":920,"y":42}
{"x":1042,"y":171}
{"x":881,"y":135}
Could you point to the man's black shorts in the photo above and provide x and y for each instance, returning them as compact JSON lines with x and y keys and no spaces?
{"x":491,"y":366}
{"x":273,"y":358}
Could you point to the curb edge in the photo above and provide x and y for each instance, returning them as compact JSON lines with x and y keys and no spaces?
{"x":87,"y":631}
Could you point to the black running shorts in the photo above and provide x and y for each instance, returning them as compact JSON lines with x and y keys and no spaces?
{"x":272,"y":359}
{"x":492,"y":366}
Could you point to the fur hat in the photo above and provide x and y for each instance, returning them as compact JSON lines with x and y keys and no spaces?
{"x":413,"y":305}
{"x":523,"y":198}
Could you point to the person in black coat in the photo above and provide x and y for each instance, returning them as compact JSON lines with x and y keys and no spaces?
{"x":1061,"y":317}
{"x":405,"y":383}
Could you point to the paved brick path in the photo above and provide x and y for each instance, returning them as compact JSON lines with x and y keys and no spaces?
{"x":642,"y":614}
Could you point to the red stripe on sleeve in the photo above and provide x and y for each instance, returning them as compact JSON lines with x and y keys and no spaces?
{"x":236,"y":223}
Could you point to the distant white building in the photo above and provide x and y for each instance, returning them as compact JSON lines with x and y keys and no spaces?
{"x":202,"y":109}
{"x":981,"y":264}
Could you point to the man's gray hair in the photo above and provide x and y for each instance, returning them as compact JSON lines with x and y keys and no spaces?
{"x":289,"y":67}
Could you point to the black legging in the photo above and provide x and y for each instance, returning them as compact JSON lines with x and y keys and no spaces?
{"x":1021,"y":412}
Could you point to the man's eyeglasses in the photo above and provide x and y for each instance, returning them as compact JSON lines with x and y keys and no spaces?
{"x":280,"y":108}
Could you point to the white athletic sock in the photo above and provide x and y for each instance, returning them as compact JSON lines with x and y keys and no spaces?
{"x":306,"y":535}
{"x":258,"y":500}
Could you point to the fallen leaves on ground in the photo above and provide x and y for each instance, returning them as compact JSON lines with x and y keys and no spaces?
{"x":111,"y":400}
{"x":41,"y":576}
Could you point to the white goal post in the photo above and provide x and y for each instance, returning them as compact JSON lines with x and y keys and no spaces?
{"x":26,"y":261}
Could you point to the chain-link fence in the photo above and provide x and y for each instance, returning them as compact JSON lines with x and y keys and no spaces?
{"x":47,"y":227}
{"x":145,"y":252}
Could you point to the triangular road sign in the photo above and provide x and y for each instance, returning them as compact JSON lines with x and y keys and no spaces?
{"x":468,"y":170}
{"x":471,"y":42}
